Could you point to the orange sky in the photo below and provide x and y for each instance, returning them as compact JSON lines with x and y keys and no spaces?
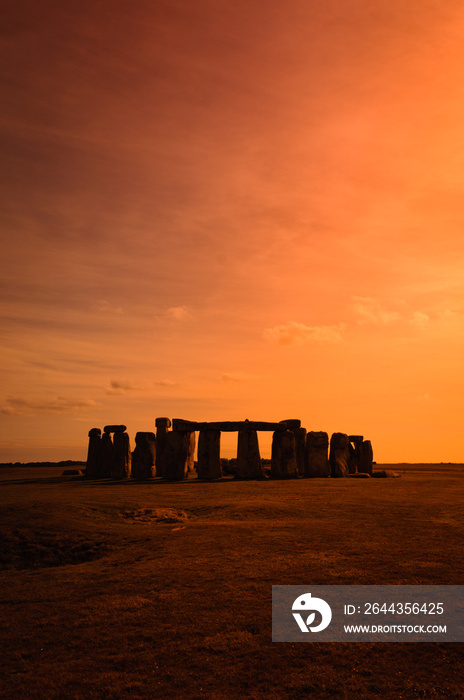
{"x":227,"y":210}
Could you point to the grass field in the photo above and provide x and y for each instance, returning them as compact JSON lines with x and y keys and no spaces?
{"x":163,"y":590}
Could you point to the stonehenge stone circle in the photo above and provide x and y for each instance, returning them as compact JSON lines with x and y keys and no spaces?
{"x":248,"y":457}
{"x":317,"y":455}
{"x":283,"y":456}
{"x":339,"y":455}
{"x":144,"y":456}
{"x":170,"y":454}
{"x":209,"y":457}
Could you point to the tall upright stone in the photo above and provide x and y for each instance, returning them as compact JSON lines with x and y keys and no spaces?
{"x":209,"y":454}
{"x":283,"y":455}
{"x":339,"y":455}
{"x":93,"y":452}
{"x":355,"y":452}
{"x":121,"y":458}
{"x":144,"y":456}
{"x":300,"y":446}
{"x":105,"y":458}
{"x":366,"y":458}
{"x":162,"y":428}
{"x":190,"y":437}
{"x":317,"y":455}
{"x":249,"y":464}
{"x":176,"y":455}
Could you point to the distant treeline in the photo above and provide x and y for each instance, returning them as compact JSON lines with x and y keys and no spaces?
{"x":63,"y":463}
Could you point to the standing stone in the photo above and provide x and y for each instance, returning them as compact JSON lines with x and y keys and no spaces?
{"x":162,"y":428}
{"x":176,"y":455}
{"x":366,"y":458}
{"x":352,"y":459}
{"x":355,"y":457}
{"x":209,"y":454}
{"x":121,"y":459}
{"x":283,"y":455}
{"x":144,"y":456}
{"x":191,"y":451}
{"x":93,"y":452}
{"x":300,"y":446}
{"x":248,"y":458}
{"x":339,"y":454}
{"x":105,"y":457}
{"x":317,"y":455}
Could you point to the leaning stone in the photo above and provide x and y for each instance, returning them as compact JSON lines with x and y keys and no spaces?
{"x":317,"y":455}
{"x":176,"y":456}
{"x":93,"y":452}
{"x":209,"y":457}
{"x":283,"y":455}
{"x":248,"y":457}
{"x":144,"y":456}
{"x":114,"y":429}
{"x":366,"y":457}
{"x":339,"y":455}
{"x":121,"y":458}
{"x":385,"y":474}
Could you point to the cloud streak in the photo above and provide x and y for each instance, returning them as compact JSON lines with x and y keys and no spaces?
{"x":16,"y":406}
{"x":294,"y":333}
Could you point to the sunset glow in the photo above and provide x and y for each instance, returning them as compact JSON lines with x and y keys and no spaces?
{"x":230,"y":210}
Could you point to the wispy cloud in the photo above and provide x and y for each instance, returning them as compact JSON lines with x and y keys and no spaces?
{"x":120,"y":387}
{"x":15,"y":406}
{"x":104,"y":306}
{"x":234,"y":377}
{"x":419,"y":319}
{"x":178,"y":313}
{"x":370,"y":310}
{"x":294,"y":333}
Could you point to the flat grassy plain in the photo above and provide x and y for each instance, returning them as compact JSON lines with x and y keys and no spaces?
{"x":163,"y":590}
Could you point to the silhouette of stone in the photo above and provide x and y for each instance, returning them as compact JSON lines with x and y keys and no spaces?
{"x":176,"y":455}
{"x":144,"y":456}
{"x":121,"y":457}
{"x":162,"y":428}
{"x":283,"y":455}
{"x":93,"y":452}
{"x":291,"y":423}
{"x":339,"y":455}
{"x":114,"y":429}
{"x":209,"y":459}
{"x":227,"y":426}
{"x":352,"y":459}
{"x":385,"y":474}
{"x":190,"y":437}
{"x":359,"y":475}
{"x":248,"y":457}
{"x":355,"y":453}
{"x":300,"y":446}
{"x":366,"y":457}
{"x":105,"y":457}
{"x":317,"y":455}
